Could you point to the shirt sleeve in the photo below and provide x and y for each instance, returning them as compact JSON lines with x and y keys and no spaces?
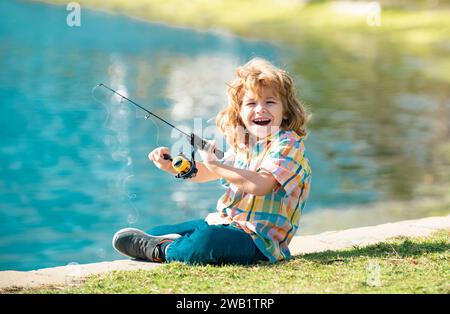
{"x":228,"y":159}
{"x":287,"y":163}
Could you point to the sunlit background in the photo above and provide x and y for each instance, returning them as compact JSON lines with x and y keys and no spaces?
{"x":74,"y":166}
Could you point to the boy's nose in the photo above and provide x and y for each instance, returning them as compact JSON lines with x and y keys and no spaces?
{"x":259,"y":107}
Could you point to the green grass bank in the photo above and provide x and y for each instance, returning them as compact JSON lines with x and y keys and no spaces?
{"x":399,"y":265}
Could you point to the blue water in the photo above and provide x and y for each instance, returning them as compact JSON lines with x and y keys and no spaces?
{"x":71,"y":176}
{"x":74,"y":171}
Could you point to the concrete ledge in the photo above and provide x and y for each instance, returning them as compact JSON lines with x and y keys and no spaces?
{"x":334,"y":240}
{"x":66,"y":275}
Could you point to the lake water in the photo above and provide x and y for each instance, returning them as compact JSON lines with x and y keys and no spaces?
{"x":74,"y":171}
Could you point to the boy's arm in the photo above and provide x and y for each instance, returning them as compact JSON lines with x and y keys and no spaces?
{"x":204,"y":174}
{"x":252,"y":182}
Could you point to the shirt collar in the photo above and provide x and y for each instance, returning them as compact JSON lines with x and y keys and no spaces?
{"x":260,"y":145}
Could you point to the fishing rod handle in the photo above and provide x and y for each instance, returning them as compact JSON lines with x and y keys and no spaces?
{"x":201,"y":144}
{"x":167,"y":157}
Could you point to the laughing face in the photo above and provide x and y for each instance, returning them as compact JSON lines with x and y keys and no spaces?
{"x":262,"y":114}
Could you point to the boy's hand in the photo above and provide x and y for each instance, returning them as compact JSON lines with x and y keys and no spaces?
{"x":207,"y":154}
{"x":157,"y":157}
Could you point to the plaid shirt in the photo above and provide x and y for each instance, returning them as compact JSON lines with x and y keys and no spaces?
{"x":272,"y":219}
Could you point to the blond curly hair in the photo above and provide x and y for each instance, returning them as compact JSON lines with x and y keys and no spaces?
{"x":256,"y":74}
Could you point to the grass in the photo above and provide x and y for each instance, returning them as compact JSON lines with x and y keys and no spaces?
{"x":399,"y":265}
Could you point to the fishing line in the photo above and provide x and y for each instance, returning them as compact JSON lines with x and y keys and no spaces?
{"x":101,"y":103}
{"x":118,"y":113}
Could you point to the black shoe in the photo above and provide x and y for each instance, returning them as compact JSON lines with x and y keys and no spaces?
{"x":137,"y":244}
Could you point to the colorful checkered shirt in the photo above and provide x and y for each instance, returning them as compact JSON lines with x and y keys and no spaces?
{"x":272,"y":219}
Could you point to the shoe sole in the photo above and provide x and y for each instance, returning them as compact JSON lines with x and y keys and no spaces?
{"x":121,"y":232}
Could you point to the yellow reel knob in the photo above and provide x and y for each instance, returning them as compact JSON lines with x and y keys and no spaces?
{"x":181,"y":164}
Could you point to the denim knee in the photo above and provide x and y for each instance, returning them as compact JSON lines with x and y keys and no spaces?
{"x":213,"y":245}
{"x":180,"y":228}
{"x":206,"y":237}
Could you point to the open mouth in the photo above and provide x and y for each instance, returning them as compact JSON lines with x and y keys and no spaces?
{"x":261,"y":121}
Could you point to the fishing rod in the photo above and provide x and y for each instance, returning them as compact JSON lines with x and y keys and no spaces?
{"x":186,"y":168}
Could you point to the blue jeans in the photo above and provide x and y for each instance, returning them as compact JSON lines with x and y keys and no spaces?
{"x":204,"y":244}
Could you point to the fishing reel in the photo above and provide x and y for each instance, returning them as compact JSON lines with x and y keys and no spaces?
{"x":186,"y":168}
